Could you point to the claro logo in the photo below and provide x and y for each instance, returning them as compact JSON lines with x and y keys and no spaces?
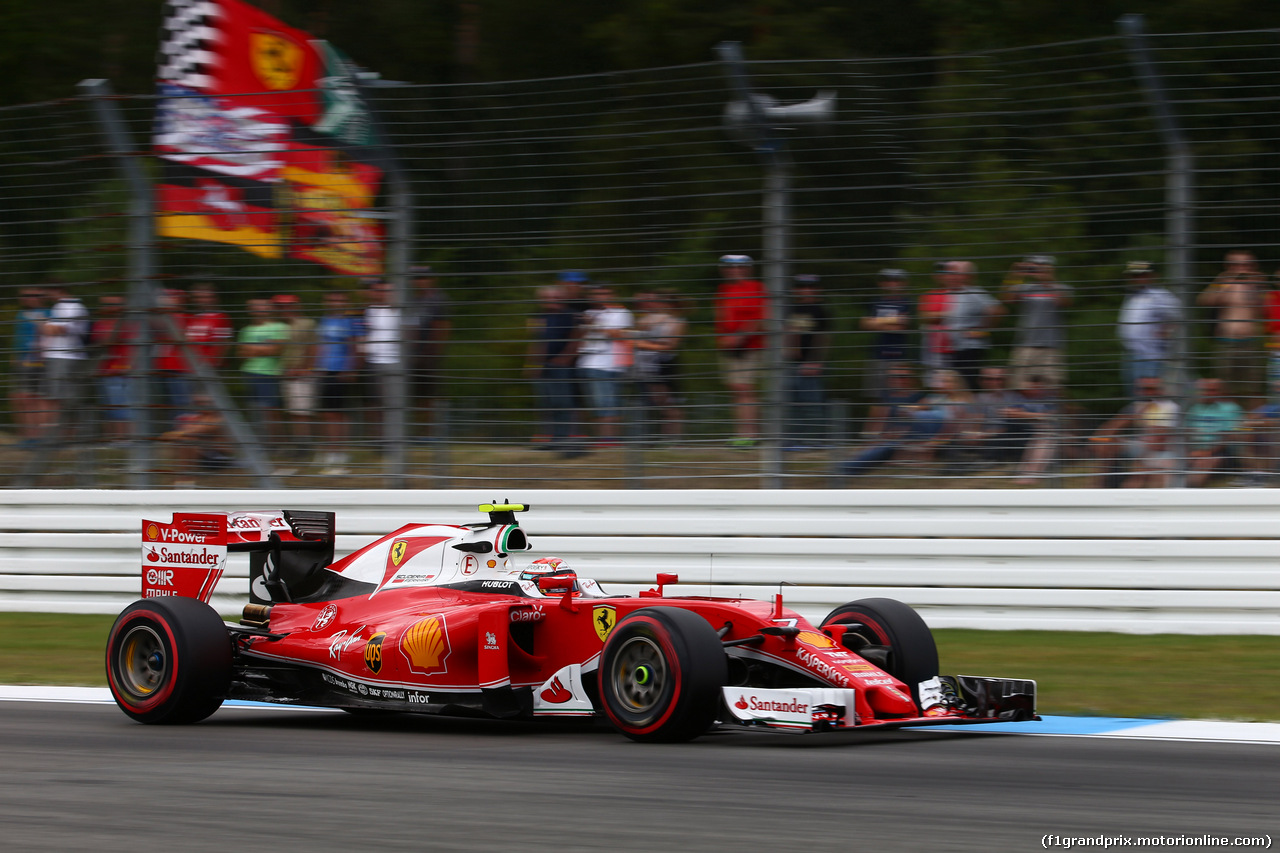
{"x":252,"y":523}
{"x":533,"y":614}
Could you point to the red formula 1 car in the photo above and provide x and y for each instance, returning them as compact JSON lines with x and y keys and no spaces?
{"x":434,"y":618}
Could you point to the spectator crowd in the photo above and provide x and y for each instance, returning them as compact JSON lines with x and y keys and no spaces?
{"x":938,"y":390}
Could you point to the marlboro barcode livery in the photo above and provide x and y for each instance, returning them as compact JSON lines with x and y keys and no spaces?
{"x":448,"y":619}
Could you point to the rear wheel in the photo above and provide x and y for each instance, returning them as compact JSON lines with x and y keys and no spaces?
{"x":169,"y":660}
{"x":660,"y":675}
{"x":910,"y":654}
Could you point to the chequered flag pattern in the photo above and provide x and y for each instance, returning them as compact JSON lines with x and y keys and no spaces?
{"x":187,"y":40}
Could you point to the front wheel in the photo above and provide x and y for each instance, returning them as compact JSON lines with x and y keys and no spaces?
{"x":169,"y":660}
{"x":912,"y":655}
{"x":660,"y":675}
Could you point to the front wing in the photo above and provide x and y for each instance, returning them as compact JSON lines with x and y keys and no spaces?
{"x":946,"y":700}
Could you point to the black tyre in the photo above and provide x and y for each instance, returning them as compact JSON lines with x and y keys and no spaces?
{"x":169,"y":660}
{"x":660,"y":675}
{"x":912,"y":654}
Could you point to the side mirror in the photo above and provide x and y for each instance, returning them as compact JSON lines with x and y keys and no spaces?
{"x":557,"y":584}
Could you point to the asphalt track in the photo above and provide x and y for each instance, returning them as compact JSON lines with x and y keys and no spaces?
{"x":84,"y":777}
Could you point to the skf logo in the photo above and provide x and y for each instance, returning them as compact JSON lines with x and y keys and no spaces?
{"x":604,"y":617}
{"x":276,"y":60}
{"x":153,"y":531}
{"x":397,"y":552}
{"x":373,"y":652}
{"x":425,"y":645}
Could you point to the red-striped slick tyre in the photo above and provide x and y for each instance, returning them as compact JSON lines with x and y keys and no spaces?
{"x":169,"y":660}
{"x":660,"y":675}
{"x":913,"y":655}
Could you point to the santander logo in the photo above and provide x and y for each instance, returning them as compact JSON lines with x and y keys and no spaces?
{"x":556,"y":693}
{"x":757,"y":703}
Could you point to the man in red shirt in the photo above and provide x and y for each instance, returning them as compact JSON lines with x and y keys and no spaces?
{"x":741,"y":308}
{"x":209,"y":329}
{"x":935,"y":344}
{"x":169,"y":362}
{"x":113,"y":339}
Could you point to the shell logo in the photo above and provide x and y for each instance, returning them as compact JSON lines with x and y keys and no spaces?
{"x":153,"y":531}
{"x":818,"y":641}
{"x":425,"y":645}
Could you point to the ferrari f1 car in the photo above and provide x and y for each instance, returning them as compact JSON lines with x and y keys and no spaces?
{"x":435,"y":619}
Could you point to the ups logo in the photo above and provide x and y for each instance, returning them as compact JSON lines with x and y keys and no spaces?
{"x":373,"y":652}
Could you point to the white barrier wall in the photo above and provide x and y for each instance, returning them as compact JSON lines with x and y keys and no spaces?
{"x":1189,"y":562}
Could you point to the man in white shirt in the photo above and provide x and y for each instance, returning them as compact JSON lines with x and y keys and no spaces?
{"x":604,"y":354}
{"x":381,"y":347}
{"x":63,"y":339}
{"x":1149,"y":319}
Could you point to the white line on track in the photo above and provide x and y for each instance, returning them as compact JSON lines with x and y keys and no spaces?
{"x":102,"y":696}
{"x":1109,"y":727}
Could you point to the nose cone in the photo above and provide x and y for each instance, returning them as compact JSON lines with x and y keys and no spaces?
{"x":891,"y":701}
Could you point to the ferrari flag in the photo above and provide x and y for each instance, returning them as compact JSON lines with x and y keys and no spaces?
{"x":263,"y":139}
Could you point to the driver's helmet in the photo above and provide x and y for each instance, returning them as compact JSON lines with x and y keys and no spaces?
{"x":545,"y":566}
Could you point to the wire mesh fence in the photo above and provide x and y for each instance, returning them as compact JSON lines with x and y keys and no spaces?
{"x":568,"y":319}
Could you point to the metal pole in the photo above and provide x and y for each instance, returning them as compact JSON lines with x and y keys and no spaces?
{"x":777,"y":252}
{"x":141,"y":302}
{"x":776,"y":249}
{"x":1179,"y":187}
{"x":399,"y":237}
{"x":141,"y":247}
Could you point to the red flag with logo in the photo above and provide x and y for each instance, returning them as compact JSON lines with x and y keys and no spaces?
{"x":240,"y":130}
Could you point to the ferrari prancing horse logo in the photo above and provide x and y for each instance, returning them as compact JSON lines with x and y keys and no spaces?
{"x":276,"y":60}
{"x":604,"y":617}
{"x":397,"y":552}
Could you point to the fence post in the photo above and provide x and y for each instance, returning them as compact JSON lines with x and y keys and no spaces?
{"x":439,"y":456}
{"x":141,"y":247}
{"x":395,"y":416}
{"x":837,"y":440}
{"x":142,"y":300}
{"x":1179,"y":186}
{"x":777,"y":190}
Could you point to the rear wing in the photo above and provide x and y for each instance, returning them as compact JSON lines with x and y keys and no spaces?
{"x":188,"y":556}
